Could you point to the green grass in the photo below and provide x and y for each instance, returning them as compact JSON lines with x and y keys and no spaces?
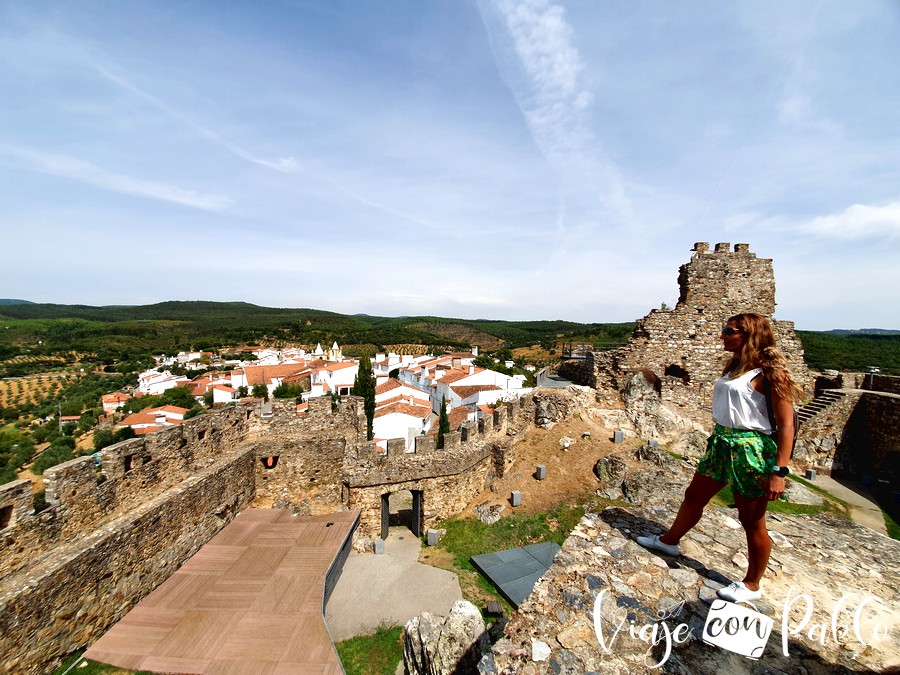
{"x":467,"y":537}
{"x":893,"y":528}
{"x":376,"y":654}
{"x":93,"y":668}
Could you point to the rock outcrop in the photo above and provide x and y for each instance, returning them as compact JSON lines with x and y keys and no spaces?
{"x":649,"y":416}
{"x":831,"y":591}
{"x":434,"y":645}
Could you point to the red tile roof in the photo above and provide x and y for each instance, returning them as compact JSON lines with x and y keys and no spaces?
{"x":387,"y":386}
{"x":454,"y":375}
{"x":173,"y":409}
{"x":467,"y":391}
{"x":402,"y":398}
{"x":418,"y":411}
{"x":340,"y":366}
{"x":264,"y":374}
{"x":145,"y":417}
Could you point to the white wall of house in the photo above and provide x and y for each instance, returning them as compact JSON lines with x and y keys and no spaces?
{"x":156,"y":383}
{"x":224,"y":395}
{"x":401,"y":425}
{"x":338,"y":380}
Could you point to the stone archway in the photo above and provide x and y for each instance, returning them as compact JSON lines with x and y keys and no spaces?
{"x":402,"y":508}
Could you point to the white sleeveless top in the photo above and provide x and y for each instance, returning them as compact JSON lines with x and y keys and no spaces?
{"x":738,"y":405}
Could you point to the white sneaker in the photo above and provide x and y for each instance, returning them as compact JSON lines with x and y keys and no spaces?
{"x":737,"y":592}
{"x":654,"y":543}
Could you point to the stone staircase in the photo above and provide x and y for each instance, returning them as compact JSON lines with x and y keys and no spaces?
{"x":819,"y":403}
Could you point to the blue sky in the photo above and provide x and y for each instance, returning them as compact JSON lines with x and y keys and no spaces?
{"x":508,"y":159}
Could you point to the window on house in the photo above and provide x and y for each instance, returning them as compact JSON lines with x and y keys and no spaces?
{"x":269,"y":462}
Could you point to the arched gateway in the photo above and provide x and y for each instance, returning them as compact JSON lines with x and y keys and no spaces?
{"x":406,"y":508}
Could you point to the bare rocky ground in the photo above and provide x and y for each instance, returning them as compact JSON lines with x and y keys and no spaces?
{"x":832,"y":590}
{"x":570,"y":472}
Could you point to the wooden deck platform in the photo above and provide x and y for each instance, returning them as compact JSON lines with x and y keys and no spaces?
{"x":249,"y":601}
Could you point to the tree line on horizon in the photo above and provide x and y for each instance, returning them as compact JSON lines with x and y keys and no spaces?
{"x":35,"y":337}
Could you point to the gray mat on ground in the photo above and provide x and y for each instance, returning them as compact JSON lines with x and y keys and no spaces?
{"x":516,"y":570}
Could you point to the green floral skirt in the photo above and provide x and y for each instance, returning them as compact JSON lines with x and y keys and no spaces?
{"x":739,"y":457}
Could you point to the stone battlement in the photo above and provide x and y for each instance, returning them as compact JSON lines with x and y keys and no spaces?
{"x":114,"y":531}
{"x":82,"y":496}
{"x":681,"y":348}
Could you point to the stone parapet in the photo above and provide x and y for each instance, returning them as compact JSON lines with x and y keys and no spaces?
{"x":888,"y":384}
{"x":82,"y":496}
{"x":397,"y":468}
{"x":63,"y":601}
{"x":651,"y":610}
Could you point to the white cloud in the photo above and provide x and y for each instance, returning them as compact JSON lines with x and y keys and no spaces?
{"x":551,"y":95}
{"x":283,"y":164}
{"x":534,"y":48}
{"x":857,"y":222}
{"x":85,"y":172}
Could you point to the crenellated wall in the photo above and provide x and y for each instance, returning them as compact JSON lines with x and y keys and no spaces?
{"x":324,"y":462}
{"x":310,"y":451}
{"x":112,"y":533}
{"x":83,"y":497}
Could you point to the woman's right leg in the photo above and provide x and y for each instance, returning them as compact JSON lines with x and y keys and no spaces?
{"x":696,"y":497}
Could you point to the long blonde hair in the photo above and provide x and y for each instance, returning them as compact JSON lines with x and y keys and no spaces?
{"x":761,"y":351}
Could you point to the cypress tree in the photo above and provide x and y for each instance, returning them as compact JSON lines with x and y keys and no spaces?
{"x":443,"y":424}
{"x":364,"y":386}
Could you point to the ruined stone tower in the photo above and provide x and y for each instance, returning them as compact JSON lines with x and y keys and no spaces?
{"x":682,"y":346}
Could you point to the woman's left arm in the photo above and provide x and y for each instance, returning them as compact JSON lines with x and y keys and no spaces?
{"x":784,"y":439}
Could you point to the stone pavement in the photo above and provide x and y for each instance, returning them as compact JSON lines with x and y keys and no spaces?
{"x":831,"y":589}
{"x":863,"y":509}
{"x":390,"y":588}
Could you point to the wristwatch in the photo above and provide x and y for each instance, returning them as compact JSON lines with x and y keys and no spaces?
{"x":781,"y":471}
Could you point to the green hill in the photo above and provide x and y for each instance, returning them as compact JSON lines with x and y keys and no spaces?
{"x":117,"y":333}
{"x":112,"y":334}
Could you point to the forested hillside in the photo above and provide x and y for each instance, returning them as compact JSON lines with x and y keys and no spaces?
{"x":33,"y":337}
{"x":39,"y":337}
{"x":855,"y":352}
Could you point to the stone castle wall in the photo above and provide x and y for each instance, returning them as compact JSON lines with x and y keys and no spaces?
{"x":114,"y":532}
{"x":834,"y":430}
{"x":83,"y":497}
{"x":682,"y":347}
{"x":71,"y":571}
{"x":871,"y":451}
{"x":449,"y":477}
{"x":325,"y":463}
{"x":882,"y":429}
{"x":884,"y":383}
{"x":858,"y":435}
{"x":310,"y":451}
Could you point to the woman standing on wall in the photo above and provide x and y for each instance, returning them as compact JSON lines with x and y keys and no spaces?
{"x":742,"y":450}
